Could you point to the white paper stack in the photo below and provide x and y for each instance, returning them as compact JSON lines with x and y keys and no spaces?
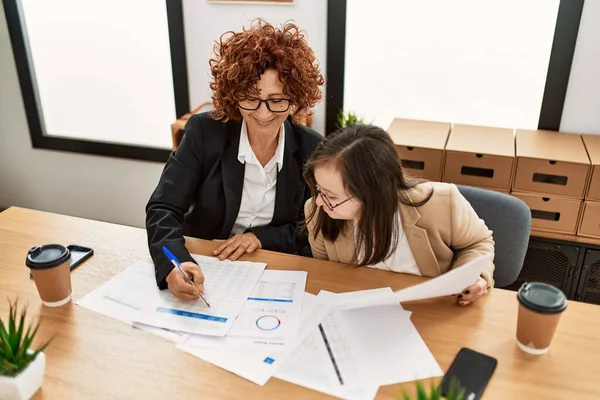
{"x":262,"y":324}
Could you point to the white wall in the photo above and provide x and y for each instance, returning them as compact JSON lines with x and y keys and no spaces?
{"x":111,"y":189}
{"x":205,"y":22}
{"x":581,"y":113}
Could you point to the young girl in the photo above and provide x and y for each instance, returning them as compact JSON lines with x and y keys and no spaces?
{"x":365,"y":211}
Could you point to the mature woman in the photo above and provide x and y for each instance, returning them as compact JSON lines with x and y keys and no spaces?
{"x":365,"y":211}
{"x":237,"y":174}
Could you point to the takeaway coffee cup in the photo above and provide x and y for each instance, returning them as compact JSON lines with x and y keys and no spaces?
{"x":49,"y":265}
{"x":540,"y":308}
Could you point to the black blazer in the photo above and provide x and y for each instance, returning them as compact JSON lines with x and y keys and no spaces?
{"x":200,"y":191}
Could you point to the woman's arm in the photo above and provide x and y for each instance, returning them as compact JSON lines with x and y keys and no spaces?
{"x":471,"y":238}
{"x":171,"y":200}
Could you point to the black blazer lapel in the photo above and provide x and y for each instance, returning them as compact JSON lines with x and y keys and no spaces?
{"x":288,"y":179}
{"x":233,"y":179}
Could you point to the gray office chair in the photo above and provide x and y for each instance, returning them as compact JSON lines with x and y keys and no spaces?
{"x":510,"y":220}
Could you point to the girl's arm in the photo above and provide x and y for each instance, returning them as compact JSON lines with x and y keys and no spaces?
{"x":470,"y":236}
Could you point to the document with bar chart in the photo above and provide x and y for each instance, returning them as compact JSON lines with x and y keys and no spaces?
{"x":227,"y":285}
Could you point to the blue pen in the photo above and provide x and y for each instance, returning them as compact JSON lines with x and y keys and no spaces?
{"x":177,"y":265}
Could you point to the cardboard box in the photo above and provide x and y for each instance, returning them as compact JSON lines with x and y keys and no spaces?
{"x":420,"y":145}
{"x":590,"y":220}
{"x":554,"y":214}
{"x":480,"y":156}
{"x":592,"y":145}
{"x":178,"y":127}
{"x":552,"y":163}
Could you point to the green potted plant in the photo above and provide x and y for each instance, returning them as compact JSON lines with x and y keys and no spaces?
{"x":455,"y":392}
{"x":348,"y":118}
{"x":21,"y":367}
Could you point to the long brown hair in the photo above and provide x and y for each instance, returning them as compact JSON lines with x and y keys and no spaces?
{"x":371,"y":170}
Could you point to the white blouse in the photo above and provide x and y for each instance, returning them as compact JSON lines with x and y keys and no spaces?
{"x":401,"y":260}
{"x":260,"y":184}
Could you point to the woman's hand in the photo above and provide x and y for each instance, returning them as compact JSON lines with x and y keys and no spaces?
{"x":473,"y":292}
{"x":236,"y":246}
{"x":180,"y":287}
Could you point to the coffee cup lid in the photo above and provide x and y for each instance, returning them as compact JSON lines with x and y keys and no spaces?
{"x":47,"y":256}
{"x":542,"y":298}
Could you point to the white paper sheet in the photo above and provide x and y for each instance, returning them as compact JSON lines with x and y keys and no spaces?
{"x":452,"y":282}
{"x":271,"y":315}
{"x":342,"y":345}
{"x":382,"y":295}
{"x":351,"y":360}
{"x":389,"y":345}
{"x":126,"y":294}
{"x":382,"y":346}
{"x":227,"y":285}
{"x":310,"y":364}
{"x":249,"y":351}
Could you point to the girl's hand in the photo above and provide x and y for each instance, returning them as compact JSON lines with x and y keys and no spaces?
{"x":473,"y":292}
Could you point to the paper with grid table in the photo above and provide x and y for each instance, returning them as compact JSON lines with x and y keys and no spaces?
{"x":227,"y":286}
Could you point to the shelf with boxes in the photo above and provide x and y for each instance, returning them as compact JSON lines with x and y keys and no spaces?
{"x":556,"y":174}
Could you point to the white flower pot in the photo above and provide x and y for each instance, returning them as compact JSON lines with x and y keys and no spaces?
{"x":24,"y":385}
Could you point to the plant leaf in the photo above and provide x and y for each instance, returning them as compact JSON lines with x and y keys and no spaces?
{"x":4,"y":333}
{"x":8,"y":350}
{"x":15,"y":340}
{"x":21,"y":325}
{"x":27,"y":342}
{"x":43,"y":347}
{"x":17,"y":343}
{"x":461,"y":394}
{"x":435,"y":392}
{"x":421,"y":395}
{"x":11,"y":324}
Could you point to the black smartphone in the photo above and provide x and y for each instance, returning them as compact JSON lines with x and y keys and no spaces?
{"x":78,"y":255}
{"x":470,"y":371}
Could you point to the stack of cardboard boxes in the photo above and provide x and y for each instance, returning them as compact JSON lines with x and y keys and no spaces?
{"x":421,"y":145}
{"x":552,"y":176}
{"x":485,"y":163}
{"x":590,"y":221}
{"x":556,"y":174}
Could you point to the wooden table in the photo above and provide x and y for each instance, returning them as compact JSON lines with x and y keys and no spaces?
{"x":95,"y":357}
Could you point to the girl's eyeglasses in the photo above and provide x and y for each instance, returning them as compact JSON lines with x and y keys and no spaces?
{"x":328,"y":203}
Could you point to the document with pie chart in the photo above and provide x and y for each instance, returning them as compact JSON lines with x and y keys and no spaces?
{"x":274,"y":309}
{"x":267,"y":325}
{"x":270,"y":317}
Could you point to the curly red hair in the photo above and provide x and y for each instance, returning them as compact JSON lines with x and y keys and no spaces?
{"x":241,"y":58}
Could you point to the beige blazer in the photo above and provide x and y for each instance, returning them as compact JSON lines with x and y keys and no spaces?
{"x":443,"y":234}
